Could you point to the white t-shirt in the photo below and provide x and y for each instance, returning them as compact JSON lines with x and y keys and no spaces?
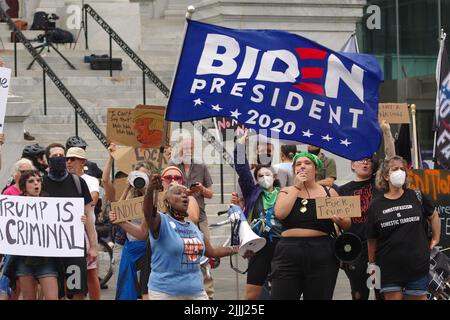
{"x":94,"y":186}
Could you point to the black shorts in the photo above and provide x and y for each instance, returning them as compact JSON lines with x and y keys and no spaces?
{"x":259,"y":264}
{"x":73,"y":280}
{"x":143,"y":267}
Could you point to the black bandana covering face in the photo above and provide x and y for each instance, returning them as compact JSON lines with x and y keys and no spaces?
{"x":57,"y":168}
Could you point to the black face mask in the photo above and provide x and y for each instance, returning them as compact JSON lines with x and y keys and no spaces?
{"x":315,"y":152}
{"x":264,"y":159}
{"x":57,"y":168}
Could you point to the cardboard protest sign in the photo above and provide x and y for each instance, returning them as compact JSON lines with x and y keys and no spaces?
{"x":120,"y":185}
{"x":128,"y":209}
{"x":5,"y":75}
{"x":393,"y":112}
{"x":126,"y":157}
{"x":436,"y":185}
{"x":141,"y":127}
{"x":345,"y":207}
{"x":41,"y":226}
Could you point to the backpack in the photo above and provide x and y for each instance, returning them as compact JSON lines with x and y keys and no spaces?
{"x":60,"y":36}
{"x":76,"y":180}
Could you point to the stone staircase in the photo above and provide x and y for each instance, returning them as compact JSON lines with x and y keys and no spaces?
{"x":96,"y":91}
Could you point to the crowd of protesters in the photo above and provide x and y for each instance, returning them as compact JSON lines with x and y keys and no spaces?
{"x":160,"y":255}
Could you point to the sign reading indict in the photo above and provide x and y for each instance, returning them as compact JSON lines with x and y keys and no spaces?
{"x":5,"y":75}
{"x":344,"y":207}
{"x":41,"y":226}
{"x":141,"y":127}
{"x":393,"y":112}
{"x":128,"y":209}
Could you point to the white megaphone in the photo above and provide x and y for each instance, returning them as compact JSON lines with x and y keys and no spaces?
{"x":248,"y":239}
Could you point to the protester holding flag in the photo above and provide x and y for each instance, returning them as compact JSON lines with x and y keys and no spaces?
{"x":363,"y":185}
{"x":304,"y":261}
{"x":396,"y":231}
{"x":259,"y":201}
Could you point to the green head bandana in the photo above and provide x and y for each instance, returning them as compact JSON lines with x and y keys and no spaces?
{"x":318,"y":163}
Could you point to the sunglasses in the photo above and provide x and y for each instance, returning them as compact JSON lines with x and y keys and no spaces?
{"x":72,"y":159}
{"x":173,"y":178}
{"x":303,"y":208}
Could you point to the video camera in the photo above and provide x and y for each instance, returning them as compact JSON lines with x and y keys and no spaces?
{"x":44,"y":21}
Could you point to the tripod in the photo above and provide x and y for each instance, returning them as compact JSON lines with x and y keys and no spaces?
{"x":47,"y":44}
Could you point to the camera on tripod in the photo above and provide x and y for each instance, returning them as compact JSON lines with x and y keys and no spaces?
{"x":44,"y":21}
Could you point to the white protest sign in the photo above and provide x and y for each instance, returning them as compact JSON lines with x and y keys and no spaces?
{"x":5,"y":75}
{"x":41,"y":226}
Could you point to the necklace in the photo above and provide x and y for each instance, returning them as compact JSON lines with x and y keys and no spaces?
{"x":304,"y":202}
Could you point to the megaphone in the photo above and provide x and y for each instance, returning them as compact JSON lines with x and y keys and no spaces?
{"x":248,"y":240}
{"x":348,"y":247}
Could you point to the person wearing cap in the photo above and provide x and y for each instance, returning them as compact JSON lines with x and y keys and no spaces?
{"x":304,"y":261}
{"x":75,"y":161}
{"x":363,"y":185}
{"x":90,"y":167}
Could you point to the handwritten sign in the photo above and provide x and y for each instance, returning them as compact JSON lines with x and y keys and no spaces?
{"x":127,"y":156}
{"x":229,"y":128}
{"x":435,"y":184}
{"x":128,"y":209}
{"x":41,"y":226}
{"x":393,"y":112}
{"x":141,"y":127}
{"x":345,"y":207}
{"x":5,"y":75}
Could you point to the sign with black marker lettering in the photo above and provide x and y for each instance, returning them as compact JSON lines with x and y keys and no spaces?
{"x":5,"y":75}
{"x":41,"y":226}
{"x":128,"y":209}
{"x":344,"y":207}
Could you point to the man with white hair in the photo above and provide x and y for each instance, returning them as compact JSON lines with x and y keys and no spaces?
{"x":19,"y":167}
{"x":75,"y":161}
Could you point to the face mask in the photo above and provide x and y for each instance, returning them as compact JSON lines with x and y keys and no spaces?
{"x":266,"y":182}
{"x":397,"y":178}
{"x":57,"y":168}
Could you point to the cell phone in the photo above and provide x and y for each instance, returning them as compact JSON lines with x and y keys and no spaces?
{"x":193,"y":185}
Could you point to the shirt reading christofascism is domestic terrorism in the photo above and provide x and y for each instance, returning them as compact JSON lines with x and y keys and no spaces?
{"x":402,"y":251}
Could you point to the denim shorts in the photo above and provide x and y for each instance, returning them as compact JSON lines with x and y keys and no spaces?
{"x":417,"y":287}
{"x":38,"y":270}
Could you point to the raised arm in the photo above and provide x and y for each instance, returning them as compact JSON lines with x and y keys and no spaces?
{"x":246,"y":181}
{"x":110,"y":191}
{"x":389,"y":146}
{"x":151,"y":214}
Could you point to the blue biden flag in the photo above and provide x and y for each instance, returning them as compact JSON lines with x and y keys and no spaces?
{"x":293,"y":87}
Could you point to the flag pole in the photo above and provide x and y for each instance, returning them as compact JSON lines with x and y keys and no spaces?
{"x":189,"y":12}
{"x":415,"y":147}
{"x":442,"y":37}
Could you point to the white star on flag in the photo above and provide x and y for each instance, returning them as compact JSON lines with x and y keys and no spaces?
{"x":198,"y":102}
{"x":307,"y":133}
{"x":346,"y":142}
{"x":235,"y":113}
{"x":216,"y":107}
{"x":327,"y":137}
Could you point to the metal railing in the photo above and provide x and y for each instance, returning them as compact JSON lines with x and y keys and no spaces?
{"x":79,"y":111}
{"x":153,"y":78}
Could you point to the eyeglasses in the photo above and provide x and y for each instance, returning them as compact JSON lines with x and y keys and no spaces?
{"x":72,"y":159}
{"x":304,"y":202}
{"x":172,"y":178}
{"x":34,"y":180}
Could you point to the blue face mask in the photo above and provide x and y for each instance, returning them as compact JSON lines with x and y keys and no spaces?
{"x":57,"y":168}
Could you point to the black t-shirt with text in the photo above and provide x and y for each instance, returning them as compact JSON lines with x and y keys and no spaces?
{"x":402,"y":251}
{"x":66,"y":188}
{"x":367,"y":191}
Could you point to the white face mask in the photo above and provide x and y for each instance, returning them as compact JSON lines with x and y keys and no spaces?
{"x":266,"y":182}
{"x":397,"y":178}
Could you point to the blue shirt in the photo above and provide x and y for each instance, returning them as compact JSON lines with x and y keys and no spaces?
{"x":176,"y":255}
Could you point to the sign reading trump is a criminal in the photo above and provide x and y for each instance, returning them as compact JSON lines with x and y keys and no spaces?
{"x":41,"y":226}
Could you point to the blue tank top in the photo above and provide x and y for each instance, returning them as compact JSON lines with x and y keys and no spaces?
{"x":176,"y":255}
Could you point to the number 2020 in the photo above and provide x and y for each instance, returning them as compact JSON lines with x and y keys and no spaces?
{"x":265,"y":121}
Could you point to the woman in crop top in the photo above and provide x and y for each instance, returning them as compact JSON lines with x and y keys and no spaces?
{"x":304,"y":260}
